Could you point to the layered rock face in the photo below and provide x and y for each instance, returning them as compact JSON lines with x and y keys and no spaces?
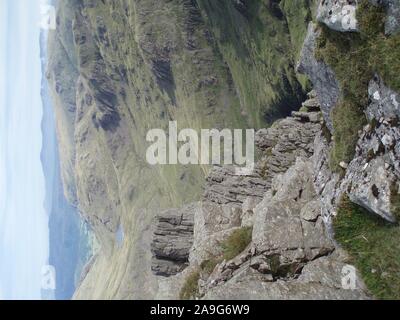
{"x":173,"y":239}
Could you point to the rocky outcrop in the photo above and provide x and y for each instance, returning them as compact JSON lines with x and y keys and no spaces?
{"x":372,"y":178}
{"x":321,"y":75}
{"x":286,"y":140}
{"x":326,"y":182}
{"x":172,"y":240}
{"x":384,"y":102}
{"x":291,"y":256}
{"x":339,"y":15}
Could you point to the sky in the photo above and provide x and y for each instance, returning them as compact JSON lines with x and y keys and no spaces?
{"x":24,"y":235}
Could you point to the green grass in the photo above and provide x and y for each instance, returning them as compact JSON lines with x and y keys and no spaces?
{"x":209,"y":265}
{"x":374,"y":247}
{"x":261,"y":47}
{"x":236,"y":242}
{"x":234,"y":245}
{"x":348,"y":119}
{"x":190,"y":289}
{"x":355,"y":58}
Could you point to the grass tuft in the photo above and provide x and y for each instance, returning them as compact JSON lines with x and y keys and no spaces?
{"x":208,"y":266}
{"x":190,"y":289}
{"x":395,"y":200}
{"x":237,"y":242}
{"x":373,"y":245}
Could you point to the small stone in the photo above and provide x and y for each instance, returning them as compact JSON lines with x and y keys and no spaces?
{"x":311,"y":211}
{"x":387,"y":141}
{"x":343,"y":165}
{"x":268,"y":278}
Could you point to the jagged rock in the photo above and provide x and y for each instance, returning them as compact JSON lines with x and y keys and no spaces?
{"x":314,"y":117}
{"x":384,"y":102}
{"x":172,"y":240}
{"x":312,"y":95}
{"x":321,"y":75}
{"x":286,"y":140}
{"x":278,"y":223}
{"x":339,"y":15}
{"x":291,"y":255}
{"x":319,"y":280}
{"x":312,"y":104}
{"x":257,"y":289}
{"x":372,"y":177}
{"x":169,"y":287}
{"x":311,"y":211}
{"x":224,"y":186}
{"x":326,"y":183}
{"x":248,"y":210}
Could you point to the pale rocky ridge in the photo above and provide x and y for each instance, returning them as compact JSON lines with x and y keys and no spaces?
{"x":291,"y":255}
